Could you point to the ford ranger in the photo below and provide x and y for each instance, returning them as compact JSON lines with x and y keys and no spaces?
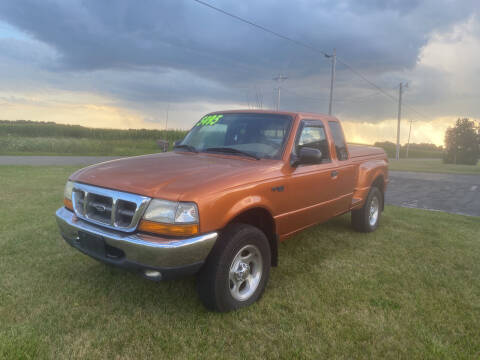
{"x":217,"y":205}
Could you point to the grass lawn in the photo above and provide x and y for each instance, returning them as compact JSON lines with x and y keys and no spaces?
{"x":409,"y":290}
{"x":432,"y":166}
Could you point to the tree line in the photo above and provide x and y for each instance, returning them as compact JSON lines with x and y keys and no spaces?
{"x":422,"y":150}
{"x":462,"y":143}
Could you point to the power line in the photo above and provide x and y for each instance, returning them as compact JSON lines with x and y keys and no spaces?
{"x":416,"y":111}
{"x":400,"y":90}
{"x":360,"y":75}
{"x":300,"y":43}
{"x":279,"y":79}
{"x":290,"y":90}
{"x":358,"y":98}
{"x":392,"y":97}
{"x":340,"y":99}
{"x":310,"y":47}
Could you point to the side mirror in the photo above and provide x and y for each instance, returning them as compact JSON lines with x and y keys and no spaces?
{"x":177,"y":142}
{"x":307,"y":155}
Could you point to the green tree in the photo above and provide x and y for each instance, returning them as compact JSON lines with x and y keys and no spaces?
{"x":462,"y":143}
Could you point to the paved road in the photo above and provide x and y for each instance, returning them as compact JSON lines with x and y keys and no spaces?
{"x":53,"y":160}
{"x":458,"y":194}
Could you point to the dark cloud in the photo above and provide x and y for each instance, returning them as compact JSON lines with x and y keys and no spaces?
{"x":184,"y":35}
{"x":178,"y":50}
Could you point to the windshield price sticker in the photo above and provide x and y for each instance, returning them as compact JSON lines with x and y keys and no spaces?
{"x":209,"y":120}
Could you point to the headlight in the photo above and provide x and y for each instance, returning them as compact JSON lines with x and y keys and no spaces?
{"x":67,"y":195}
{"x":170,"y":218}
{"x":186,"y":213}
{"x":170,"y":212}
{"x":162,"y":211}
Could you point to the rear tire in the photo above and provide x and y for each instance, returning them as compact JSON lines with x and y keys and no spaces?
{"x":237,"y":269}
{"x":366,"y":219}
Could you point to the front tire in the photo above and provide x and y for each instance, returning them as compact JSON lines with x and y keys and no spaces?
{"x":236,"y":271}
{"x":367,"y":218}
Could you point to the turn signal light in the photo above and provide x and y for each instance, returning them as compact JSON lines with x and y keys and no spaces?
{"x":68,"y":203}
{"x":168,"y":229}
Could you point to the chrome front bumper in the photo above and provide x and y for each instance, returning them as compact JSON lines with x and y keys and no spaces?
{"x":143,"y":252}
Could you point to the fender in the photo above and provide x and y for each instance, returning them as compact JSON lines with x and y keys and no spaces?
{"x":257,"y":203}
{"x":245,"y":204}
{"x":367,"y":173}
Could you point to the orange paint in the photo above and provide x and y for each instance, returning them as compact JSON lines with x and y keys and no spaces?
{"x":224,"y":186}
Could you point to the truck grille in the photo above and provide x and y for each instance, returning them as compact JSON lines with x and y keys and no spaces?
{"x":110,"y":208}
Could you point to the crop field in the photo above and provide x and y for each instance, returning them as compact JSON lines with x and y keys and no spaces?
{"x":35,"y":138}
{"x":10,"y":145}
{"x":409,"y":290}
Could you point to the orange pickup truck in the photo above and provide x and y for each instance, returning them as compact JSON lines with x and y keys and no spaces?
{"x":217,"y":206}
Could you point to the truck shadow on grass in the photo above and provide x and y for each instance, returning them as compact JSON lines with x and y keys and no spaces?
{"x":302,"y":255}
{"x":320,"y":243}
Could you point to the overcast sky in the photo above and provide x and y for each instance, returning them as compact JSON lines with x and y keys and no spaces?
{"x":123,"y":63}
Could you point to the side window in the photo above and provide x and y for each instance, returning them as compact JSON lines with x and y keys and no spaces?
{"x":339,"y":140}
{"x":313,"y":136}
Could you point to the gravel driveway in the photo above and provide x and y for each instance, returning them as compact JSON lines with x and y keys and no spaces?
{"x":459,"y":194}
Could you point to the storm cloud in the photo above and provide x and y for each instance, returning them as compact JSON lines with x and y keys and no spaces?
{"x":178,"y":51}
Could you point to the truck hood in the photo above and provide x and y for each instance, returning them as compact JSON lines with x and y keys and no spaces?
{"x":172,"y":174}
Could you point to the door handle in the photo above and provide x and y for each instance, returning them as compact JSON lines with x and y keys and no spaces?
{"x":334,"y":173}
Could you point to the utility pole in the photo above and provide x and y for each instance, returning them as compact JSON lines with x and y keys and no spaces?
{"x":400,"y":91}
{"x":409,"y":132}
{"x":259,"y":97}
{"x":166,"y":119}
{"x":332,"y":78}
{"x":279,"y":79}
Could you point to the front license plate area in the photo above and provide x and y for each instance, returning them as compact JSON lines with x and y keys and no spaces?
{"x":92,"y":244}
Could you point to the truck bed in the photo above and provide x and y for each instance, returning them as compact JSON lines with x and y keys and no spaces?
{"x":357,"y":151}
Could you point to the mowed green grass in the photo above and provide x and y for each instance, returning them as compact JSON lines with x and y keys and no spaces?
{"x":432,"y":166}
{"x":409,"y":290}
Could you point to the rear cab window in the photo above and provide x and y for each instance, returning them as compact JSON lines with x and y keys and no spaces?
{"x":338,"y":140}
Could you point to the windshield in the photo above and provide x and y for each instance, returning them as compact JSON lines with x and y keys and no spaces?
{"x":260,"y":135}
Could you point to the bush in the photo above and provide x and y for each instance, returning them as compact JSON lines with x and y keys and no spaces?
{"x":462,"y":143}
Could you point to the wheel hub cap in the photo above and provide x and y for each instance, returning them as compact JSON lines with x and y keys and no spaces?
{"x":242,"y":271}
{"x":245,"y":272}
{"x":373,"y":212}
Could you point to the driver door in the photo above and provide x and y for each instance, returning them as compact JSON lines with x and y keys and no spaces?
{"x":311,"y":185}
